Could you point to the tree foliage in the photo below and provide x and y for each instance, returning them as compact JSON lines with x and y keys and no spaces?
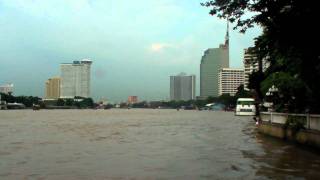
{"x":286,"y":42}
{"x":60,"y":102}
{"x":76,"y":103}
{"x":28,"y":101}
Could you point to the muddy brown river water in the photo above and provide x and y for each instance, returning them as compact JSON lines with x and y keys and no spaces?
{"x":145,"y":144}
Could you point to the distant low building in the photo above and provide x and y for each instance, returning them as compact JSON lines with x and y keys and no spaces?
{"x":53,"y":88}
{"x":229,"y":80}
{"x":6,"y":88}
{"x":132,"y":99}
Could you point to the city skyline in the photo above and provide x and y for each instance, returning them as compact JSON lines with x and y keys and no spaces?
{"x":165,"y":37}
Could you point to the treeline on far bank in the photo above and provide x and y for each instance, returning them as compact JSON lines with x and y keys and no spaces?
{"x":229,"y":102}
{"x":77,"y":102}
{"x":225,"y":99}
{"x":82,"y":103}
{"x":29,"y":101}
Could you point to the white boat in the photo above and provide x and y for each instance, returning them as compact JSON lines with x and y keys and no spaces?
{"x":245,"y":107}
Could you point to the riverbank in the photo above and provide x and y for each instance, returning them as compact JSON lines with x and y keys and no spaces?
{"x":277,"y":125}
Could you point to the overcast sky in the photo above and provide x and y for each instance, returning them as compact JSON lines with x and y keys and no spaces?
{"x":134,"y":45}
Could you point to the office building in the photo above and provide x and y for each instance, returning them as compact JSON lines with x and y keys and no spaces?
{"x":229,"y":80}
{"x":6,"y":88}
{"x":182,"y":87}
{"x":212,"y":61}
{"x":53,"y":88}
{"x":75,"y":79}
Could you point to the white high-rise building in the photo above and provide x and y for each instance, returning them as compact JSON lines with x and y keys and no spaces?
{"x":182,"y":87}
{"x":229,"y":80}
{"x":75,"y":79}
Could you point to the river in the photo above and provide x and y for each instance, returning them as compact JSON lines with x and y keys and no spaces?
{"x":145,"y":144}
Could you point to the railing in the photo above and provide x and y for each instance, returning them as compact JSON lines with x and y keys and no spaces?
{"x":312,"y":121}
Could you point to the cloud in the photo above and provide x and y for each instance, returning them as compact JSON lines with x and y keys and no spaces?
{"x":157,"y":47}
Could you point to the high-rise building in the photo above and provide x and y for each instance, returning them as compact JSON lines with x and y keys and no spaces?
{"x":251,"y":65}
{"x":212,"y":60}
{"x":182,"y":87}
{"x":75,"y":79}
{"x":6,"y":88}
{"x":53,"y":88}
{"x":132,"y":99}
{"x":229,"y":80}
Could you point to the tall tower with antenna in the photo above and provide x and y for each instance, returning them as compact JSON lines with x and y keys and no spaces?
{"x":226,"y":42}
{"x":211,"y":62}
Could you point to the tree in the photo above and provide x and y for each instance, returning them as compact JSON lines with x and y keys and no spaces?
{"x":7,"y":97}
{"x":227,"y":100}
{"x":286,"y":42}
{"x":60,"y":102}
{"x":242,"y":93}
{"x":87,"y":103}
{"x":28,"y":101}
{"x":69,"y":102}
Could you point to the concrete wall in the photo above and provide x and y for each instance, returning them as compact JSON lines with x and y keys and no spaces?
{"x":305,"y":137}
{"x":314,"y":122}
{"x":272,"y":130}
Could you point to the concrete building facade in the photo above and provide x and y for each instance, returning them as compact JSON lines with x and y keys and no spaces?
{"x":211,"y":62}
{"x":229,"y":80}
{"x":251,"y":65}
{"x":182,"y":87}
{"x":53,"y":88}
{"x":75,"y":79}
